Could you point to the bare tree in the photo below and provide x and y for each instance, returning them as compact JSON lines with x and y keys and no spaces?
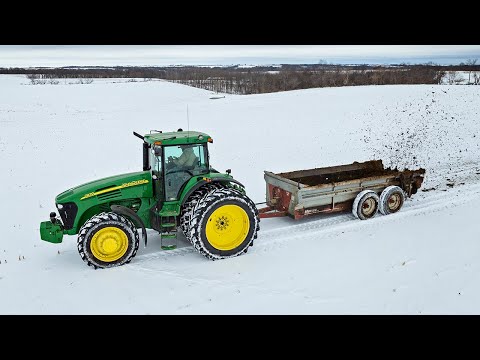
{"x":472,"y":63}
{"x":84,"y":81}
{"x":453,"y":78}
{"x":476,"y":78}
{"x":33,"y":78}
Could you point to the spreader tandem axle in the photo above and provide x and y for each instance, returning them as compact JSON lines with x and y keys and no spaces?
{"x":179,"y":188}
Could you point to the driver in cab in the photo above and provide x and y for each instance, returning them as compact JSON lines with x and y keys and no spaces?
{"x":185,"y":161}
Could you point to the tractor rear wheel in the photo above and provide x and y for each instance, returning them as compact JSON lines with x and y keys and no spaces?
{"x":188,"y":207}
{"x":224,"y":224}
{"x":108,"y":240}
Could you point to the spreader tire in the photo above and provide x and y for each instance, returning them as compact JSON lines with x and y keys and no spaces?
{"x":391,"y":200}
{"x":365,"y":205}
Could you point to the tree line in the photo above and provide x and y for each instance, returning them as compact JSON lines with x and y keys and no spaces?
{"x":260,"y":79}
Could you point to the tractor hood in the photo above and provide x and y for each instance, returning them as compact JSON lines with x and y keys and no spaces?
{"x":105,"y":186}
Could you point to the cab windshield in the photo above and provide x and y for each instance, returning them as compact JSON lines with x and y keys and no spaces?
{"x":181,"y":162}
{"x":186,"y":157}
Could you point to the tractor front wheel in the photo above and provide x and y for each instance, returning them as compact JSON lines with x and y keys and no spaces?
{"x":108,"y":240}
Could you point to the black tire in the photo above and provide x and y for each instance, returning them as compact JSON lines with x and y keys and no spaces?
{"x":365,"y":205}
{"x":126,"y":232}
{"x":205,"y":220}
{"x":392,"y":199}
{"x":189,"y":205}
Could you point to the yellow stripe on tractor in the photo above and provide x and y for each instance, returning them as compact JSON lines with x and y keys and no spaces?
{"x":125,"y":185}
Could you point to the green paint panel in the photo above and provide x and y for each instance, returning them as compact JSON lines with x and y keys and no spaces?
{"x":90,"y":197}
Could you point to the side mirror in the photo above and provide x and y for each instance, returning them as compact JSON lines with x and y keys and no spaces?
{"x":157,"y":151}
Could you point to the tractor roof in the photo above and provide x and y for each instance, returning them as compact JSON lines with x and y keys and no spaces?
{"x":178,"y":138}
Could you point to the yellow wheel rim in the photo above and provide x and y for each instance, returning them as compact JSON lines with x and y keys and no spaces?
{"x":227,"y":227}
{"x":109,"y":244}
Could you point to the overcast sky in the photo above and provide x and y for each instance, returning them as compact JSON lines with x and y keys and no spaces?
{"x":162,"y":55}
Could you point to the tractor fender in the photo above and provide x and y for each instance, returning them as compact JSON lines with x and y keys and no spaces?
{"x":203,"y":182}
{"x":123,"y":210}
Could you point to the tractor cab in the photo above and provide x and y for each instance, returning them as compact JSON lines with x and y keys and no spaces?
{"x":174,"y":158}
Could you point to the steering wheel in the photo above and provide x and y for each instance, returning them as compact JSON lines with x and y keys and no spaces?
{"x":181,"y":170}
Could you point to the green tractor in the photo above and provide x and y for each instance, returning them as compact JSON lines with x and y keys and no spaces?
{"x":177,"y":188}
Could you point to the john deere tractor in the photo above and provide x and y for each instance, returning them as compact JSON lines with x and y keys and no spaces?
{"x":211,"y":208}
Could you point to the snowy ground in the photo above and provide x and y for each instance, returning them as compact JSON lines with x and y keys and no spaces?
{"x":423,"y":260}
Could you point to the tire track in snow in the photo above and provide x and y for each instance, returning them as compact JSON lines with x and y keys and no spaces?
{"x":232,"y":286}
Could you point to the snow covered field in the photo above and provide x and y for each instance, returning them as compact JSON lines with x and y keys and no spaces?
{"x":423,"y":260}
